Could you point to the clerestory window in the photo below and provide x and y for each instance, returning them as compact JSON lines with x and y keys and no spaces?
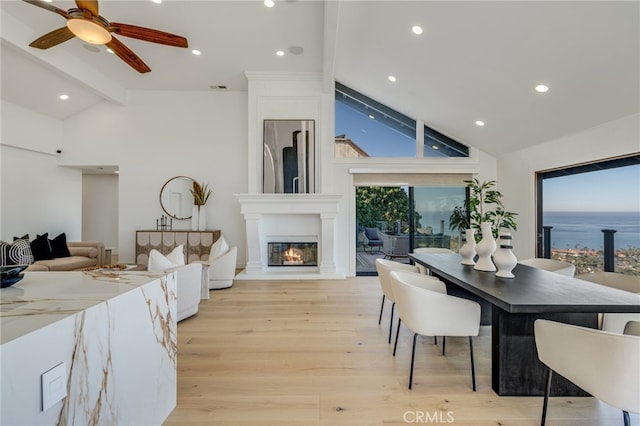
{"x":367,"y":128}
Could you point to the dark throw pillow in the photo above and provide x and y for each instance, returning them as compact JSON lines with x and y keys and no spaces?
{"x":59,"y":246}
{"x":16,"y":253}
{"x":41,"y":248}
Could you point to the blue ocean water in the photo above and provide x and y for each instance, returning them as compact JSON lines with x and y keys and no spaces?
{"x":583,"y":229}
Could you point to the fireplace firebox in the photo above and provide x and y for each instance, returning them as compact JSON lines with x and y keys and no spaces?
{"x":293,"y":254}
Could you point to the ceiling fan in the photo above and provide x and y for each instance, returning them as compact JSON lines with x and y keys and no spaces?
{"x":86,"y":23}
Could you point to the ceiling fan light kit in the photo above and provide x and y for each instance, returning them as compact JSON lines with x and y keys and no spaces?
{"x":86,"y":23}
{"x":91,"y":30}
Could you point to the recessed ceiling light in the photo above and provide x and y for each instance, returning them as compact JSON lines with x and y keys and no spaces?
{"x":392,"y":78}
{"x":116,"y":172}
{"x":269,"y":3}
{"x":436,"y":147}
{"x":280,"y":52}
{"x":196,"y":52}
{"x":63,"y":97}
{"x":296,"y":50}
{"x":371,"y":117}
{"x":542,"y":88}
{"x":157,"y":1}
{"x":479,"y":123}
{"x":417,"y":29}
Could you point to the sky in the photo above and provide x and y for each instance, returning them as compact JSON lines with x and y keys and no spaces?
{"x":376,"y":139}
{"x":611,"y":190}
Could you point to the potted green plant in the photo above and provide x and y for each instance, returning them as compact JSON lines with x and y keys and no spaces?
{"x":483,"y":205}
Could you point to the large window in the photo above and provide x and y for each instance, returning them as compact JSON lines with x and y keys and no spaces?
{"x":577,"y":203}
{"x":367,"y":128}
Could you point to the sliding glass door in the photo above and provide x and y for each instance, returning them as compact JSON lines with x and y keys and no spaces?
{"x":392,"y":220}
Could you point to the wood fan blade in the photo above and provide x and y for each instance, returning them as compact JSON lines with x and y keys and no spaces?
{"x":90,"y":5}
{"x":49,"y":7}
{"x":53,"y":38}
{"x":127,"y":55}
{"x":148,"y":34}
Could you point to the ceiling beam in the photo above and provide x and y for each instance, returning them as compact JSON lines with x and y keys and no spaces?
{"x":331,"y":13}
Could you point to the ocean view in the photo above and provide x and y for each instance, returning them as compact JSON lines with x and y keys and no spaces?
{"x":583,"y":229}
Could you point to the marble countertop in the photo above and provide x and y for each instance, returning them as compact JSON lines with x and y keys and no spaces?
{"x":42,"y":298}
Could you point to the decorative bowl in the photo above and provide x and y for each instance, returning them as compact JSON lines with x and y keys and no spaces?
{"x":11,"y":274}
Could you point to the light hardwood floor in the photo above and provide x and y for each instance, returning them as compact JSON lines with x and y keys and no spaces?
{"x":312,"y":353}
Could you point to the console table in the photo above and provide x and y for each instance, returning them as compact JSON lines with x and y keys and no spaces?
{"x":515,"y":305}
{"x":197,"y":244}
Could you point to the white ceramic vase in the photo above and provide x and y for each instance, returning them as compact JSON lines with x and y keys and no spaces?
{"x":504,"y":258}
{"x":194,"y":218}
{"x":485,"y":249}
{"x":468,"y":250}
{"x":202,"y":218}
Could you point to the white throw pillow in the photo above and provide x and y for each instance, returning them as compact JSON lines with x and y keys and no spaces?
{"x":177,"y":255}
{"x":218,"y":249}
{"x":159,"y":263}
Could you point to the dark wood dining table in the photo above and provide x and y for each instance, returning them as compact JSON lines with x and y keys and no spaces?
{"x":515,"y":304}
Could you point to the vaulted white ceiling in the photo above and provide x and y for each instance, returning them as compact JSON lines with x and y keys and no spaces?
{"x":475,"y":60}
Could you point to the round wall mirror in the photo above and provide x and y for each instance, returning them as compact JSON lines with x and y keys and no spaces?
{"x":176,"y":198}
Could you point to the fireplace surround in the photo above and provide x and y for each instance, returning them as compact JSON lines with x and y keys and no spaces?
{"x":286,"y":218}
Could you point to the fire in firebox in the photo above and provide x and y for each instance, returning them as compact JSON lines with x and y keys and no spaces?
{"x":293,"y":254}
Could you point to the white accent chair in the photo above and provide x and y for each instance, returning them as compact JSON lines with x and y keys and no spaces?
{"x":431,"y":313}
{"x":222,"y":264}
{"x":601,"y":363}
{"x":188,"y":277}
{"x":551,"y":265}
{"x":384,"y":268}
{"x":429,"y":250}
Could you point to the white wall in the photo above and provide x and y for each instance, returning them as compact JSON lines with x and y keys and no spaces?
{"x":100,"y":209}
{"x":159,"y":135}
{"x":516,"y":171}
{"x":204,"y":135}
{"x":36,"y":195}
{"x":30,"y":130}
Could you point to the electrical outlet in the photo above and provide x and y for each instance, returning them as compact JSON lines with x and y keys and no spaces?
{"x":54,"y":385}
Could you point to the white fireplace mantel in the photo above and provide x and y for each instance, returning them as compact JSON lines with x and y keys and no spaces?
{"x":285,"y":215}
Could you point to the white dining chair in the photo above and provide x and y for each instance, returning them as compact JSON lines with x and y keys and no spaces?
{"x":551,"y":265}
{"x":615,"y":322}
{"x":604,"y":364}
{"x":431,"y":313}
{"x":384,"y":268}
{"x":429,"y":283}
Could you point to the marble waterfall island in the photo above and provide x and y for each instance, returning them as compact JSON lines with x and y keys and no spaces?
{"x":108,"y":341}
